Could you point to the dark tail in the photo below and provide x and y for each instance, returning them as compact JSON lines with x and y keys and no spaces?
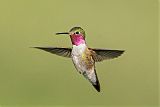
{"x":97,"y":84}
{"x":93,"y":79}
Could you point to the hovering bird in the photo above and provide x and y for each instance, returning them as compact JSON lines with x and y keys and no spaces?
{"x":83,"y":58}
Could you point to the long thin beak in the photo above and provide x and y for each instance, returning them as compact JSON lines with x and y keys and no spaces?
{"x":62,"y":33}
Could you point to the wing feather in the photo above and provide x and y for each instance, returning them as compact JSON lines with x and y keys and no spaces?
{"x":65,"y":52}
{"x":104,"y":54}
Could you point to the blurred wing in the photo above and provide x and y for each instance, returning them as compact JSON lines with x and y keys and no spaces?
{"x":103,"y":54}
{"x":65,"y":52}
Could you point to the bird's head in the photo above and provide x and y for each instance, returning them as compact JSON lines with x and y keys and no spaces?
{"x":77,"y":35}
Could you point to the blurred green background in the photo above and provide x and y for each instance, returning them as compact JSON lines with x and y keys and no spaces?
{"x":33,"y":77}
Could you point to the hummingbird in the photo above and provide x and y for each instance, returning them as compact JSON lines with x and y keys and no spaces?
{"x":83,"y":57}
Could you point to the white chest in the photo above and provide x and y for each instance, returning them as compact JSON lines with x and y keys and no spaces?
{"x":78,"y":50}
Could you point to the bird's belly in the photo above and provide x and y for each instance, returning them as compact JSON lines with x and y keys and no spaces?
{"x":81,"y":60}
{"x":82,"y":64}
{"x":79,"y":63}
{"x":77,"y":52}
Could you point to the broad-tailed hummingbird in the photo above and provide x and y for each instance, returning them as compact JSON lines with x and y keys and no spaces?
{"x":83,"y":58}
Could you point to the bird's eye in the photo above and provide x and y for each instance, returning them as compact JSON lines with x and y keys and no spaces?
{"x":77,"y":32}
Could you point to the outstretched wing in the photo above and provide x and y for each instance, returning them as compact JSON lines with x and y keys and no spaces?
{"x":103,"y":54}
{"x":65,"y":52}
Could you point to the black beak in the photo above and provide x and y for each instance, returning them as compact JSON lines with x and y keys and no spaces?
{"x":62,"y":33}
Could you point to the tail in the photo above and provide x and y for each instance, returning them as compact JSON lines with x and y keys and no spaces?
{"x":93,"y":79}
{"x":96,"y":84}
